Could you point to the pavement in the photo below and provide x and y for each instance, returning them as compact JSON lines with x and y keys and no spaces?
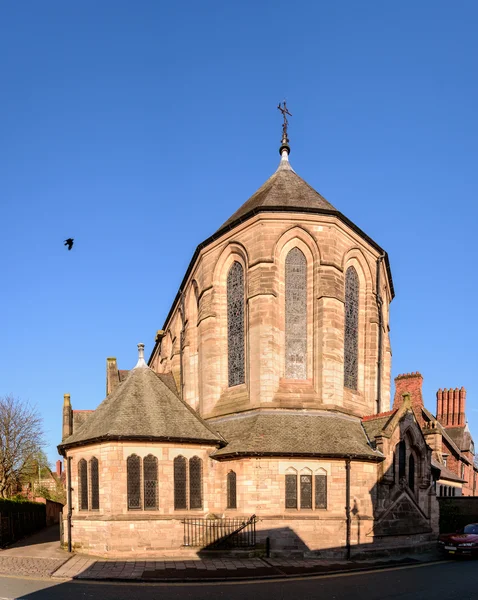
{"x":41,"y":556}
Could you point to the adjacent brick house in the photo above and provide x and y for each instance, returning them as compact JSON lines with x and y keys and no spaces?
{"x":264,"y":394}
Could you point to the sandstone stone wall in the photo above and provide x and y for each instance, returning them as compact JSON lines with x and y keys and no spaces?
{"x":113,"y":530}
{"x":260,"y":245}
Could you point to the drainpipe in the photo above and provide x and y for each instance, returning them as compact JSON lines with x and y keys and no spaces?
{"x":379,"y":300}
{"x":347,"y":506}
{"x":69,"y":503}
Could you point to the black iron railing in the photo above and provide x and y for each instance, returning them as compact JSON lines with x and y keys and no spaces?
{"x":220,"y":533}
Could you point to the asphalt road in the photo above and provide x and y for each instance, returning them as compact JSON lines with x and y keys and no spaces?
{"x":450,"y":580}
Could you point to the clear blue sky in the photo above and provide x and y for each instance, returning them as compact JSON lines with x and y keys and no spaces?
{"x":139,"y":127}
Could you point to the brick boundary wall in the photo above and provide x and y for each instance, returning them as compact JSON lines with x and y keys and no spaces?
{"x":457,"y":512}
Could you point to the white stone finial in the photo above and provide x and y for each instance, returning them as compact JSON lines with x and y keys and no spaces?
{"x":141,"y":364}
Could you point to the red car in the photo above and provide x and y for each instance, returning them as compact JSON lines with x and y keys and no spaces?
{"x":460,"y":544}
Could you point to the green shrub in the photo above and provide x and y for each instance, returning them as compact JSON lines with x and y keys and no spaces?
{"x":16,"y":505}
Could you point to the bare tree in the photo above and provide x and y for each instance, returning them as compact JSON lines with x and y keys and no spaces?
{"x":21,"y":439}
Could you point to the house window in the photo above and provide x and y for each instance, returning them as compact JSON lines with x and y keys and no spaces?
{"x":235,"y":325}
{"x":445,"y":458}
{"x":150,"y":482}
{"x":231,"y":490}
{"x":351,"y":329}
{"x":309,"y":488}
{"x":95,"y":484}
{"x":83,"y":484}
{"x":402,"y":458}
{"x":133,"y":473}
{"x":295,"y":315}
{"x":411,"y":472}
{"x":180,"y":491}
{"x":321,"y":491}
{"x":462,"y":471}
{"x":291,"y":491}
{"x":195,"y":482}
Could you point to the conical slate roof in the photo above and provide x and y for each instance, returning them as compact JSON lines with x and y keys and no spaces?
{"x":143,"y":407}
{"x":285,"y":190}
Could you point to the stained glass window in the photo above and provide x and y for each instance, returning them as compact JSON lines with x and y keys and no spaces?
{"x":235,"y":325}
{"x":306,"y":491}
{"x":150,"y":482}
{"x":180,"y":496}
{"x":95,"y":484}
{"x":133,"y":469}
{"x":351,"y":329}
{"x":295,"y":315}
{"x":83,"y":484}
{"x":195,"y":482}
{"x":402,"y":457}
{"x":231,"y":490}
{"x":291,"y":491}
{"x":321,"y":491}
{"x":411,"y":472}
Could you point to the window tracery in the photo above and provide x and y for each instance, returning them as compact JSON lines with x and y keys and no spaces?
{"x":295,"y":315}
{"x":235,"y":325}
{"x":351,"y":332}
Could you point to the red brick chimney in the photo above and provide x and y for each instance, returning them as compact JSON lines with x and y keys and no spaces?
{"x":408,"y":383}
{"x":58,"y":468}
{"x":451,"y":407}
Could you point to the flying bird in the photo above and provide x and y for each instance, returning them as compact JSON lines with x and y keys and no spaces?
{"x":69,"y":243}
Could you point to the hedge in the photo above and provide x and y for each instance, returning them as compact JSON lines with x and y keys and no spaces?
{"x":17,"y":505}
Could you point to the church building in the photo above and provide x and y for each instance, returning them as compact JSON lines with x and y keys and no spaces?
{"x":267,"y":394}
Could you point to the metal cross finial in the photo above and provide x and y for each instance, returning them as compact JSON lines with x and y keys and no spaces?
{"x":284,"y":112}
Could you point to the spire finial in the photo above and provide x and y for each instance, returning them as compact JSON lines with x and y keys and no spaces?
{"x":284,"y":149}
{"x":141,"y":364}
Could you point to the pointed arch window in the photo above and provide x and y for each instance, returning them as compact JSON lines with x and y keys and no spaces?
{"x":95,"y":484}
{"x":83,"y":484}
{"x":231,"y":490}
{"x":195,"y":482}
{"x":133,"y":473}
{"x":291,"y":490}
{"x":180,"y":495}
{"x":235,"y":325}
{"x":295,"y":315}
{"x":351,"y":329}
{"x":402,"y":459}
{"x":321,"y":490}
{"x":305,"y":490}
{"x":150,"y":482}
{"x":411,"y":472}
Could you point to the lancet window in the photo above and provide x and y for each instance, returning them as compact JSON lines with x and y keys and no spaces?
{"x":306,"y":491}
{"x":295,"y":315}
{"x":150,"y":482}
{"x":231,"y":490}
{"x":187,"y":483}
{"x":351,"y":334}
{"x":95,"y":484}
{"x":83,"y":484}
{"x":180,"y":490}
{"x":411,"y":472}
{"x":195,"y":482}
{"x":235,"y":325}
{"x":133,"y":474}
